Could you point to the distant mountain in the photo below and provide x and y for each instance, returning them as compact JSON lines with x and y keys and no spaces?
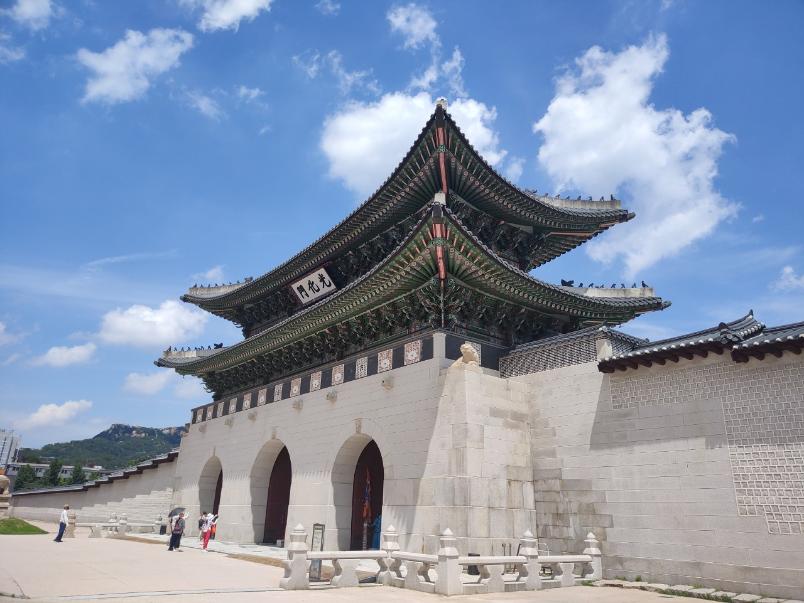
{"x":115,"y":448}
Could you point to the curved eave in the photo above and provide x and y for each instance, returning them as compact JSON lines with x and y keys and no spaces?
{"x":569,"y":227}
{"x":554,"y":298}
{"x":361,"y":292}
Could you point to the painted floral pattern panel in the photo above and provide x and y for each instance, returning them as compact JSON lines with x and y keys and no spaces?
{"x":413,"y":352}
{"x":209,"y":412}
{"x":361,"y":368}
{"x":277,"y":392}
{"x":232,"y":405}
{"x":315,"y":381}
{"x":246,"y":401}
{"x":337,"y":374}
{"x":295,"y":386}
{"x":384,"y":361}
{"x":262,"y":396}
{"x":220,"y":409}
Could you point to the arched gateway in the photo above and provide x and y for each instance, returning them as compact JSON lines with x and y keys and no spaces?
{"x":210,"y":485}
{"x":357,"y":482}
{"x":271,"y":478}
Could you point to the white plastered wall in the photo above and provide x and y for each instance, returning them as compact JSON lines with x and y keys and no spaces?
{"x":650,"y":472}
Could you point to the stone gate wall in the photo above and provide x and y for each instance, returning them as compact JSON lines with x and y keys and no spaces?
{"x":142,"y":497}
{"x":689,"y":473}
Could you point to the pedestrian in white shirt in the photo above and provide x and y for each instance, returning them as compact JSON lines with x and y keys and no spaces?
{"x":63,"y":520}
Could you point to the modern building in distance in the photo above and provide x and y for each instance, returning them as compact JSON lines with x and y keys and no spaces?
{"x":40,"y":469}
{"x":10,"y":444}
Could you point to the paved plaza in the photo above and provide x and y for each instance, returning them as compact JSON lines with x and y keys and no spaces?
{"x":84,"y":569}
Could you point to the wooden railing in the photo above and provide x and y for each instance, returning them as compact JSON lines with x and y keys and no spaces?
{"x":443,"y":573}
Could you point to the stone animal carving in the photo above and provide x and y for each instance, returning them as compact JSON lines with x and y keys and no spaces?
{"x":5,"y":484}
{"x":468,"y":356}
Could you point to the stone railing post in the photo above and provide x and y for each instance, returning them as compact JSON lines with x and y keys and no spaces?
{"x":531,"y":569}
{"x":158,"y":524}
{"x":449,"y":572}
{"x":593,"y":549}
{"x":69,"y":531}
{"x":389,"y":544}
{"x":296,"y":577}
{"x":122,"y":525}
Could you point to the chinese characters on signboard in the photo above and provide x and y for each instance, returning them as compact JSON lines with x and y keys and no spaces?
{"x":313,"y":286}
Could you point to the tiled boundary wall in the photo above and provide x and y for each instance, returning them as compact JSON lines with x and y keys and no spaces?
{"x":141,"y":496}
{"x":690,"y":473}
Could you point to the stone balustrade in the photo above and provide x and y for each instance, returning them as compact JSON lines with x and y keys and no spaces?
{"x":443,"y":573}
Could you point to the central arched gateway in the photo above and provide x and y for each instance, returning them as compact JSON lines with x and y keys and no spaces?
{"x":367,"y":499}
{"x":271,"y":477}
{"x":357,"y":487}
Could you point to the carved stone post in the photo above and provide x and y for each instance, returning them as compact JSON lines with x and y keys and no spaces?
{"x":390,"y":544}
{"x":69,"y":531}
{"x":593,"y":549}
{"x":296,"y":577}
{"x":567,"y":574}
{"x":531,"y":569}
{"x":449,"y":572}
{"x":122,"y":525}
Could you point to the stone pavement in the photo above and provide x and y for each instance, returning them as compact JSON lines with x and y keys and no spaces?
{"x":84,"y":569}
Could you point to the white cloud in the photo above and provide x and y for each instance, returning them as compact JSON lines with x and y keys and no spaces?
{"x":453,"y":72}
{"x":601,"y":134}
{"x":48,"y":415}
{"x":189,"y":388}
{"x":311,"y":63}
{"x":249,"y":94}
{"x":124,"y":72}
{"x":758,"y":218}
{"x":59,"y":356}
{"x":328,"y":7}
{"x":415,"y":23}
{"x":788,"y":280}
{"x":7,"y":338}
{"x":8,"y":53}
{"x":11,"y":359}
{"x":147,"y":384}
{"x":213,"y":275}
{"x":144,"y":326}
{"x":226,"y":14}
{"x":514,"y":168}
{"x":205,"y":105}
{"x":34,"y":14}
{"x":365,"y":141}
{"x":131,"y":257}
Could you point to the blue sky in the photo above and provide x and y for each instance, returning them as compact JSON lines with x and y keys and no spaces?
{"x":146,"y":146}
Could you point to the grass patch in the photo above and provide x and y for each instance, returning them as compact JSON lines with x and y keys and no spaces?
{"x":13,"y":526}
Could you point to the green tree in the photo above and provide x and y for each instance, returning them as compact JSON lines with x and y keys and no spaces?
{"x":26,"y":477}
{"x":77,"y":476}
{"x":52,"y":474}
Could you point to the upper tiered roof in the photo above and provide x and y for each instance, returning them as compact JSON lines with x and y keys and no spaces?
{"x":440,"y":160}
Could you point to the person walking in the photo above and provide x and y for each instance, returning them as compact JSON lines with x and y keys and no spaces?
{"x":176,"y":532}
{"x":63,"y":520}
{"x":206,"y":529}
